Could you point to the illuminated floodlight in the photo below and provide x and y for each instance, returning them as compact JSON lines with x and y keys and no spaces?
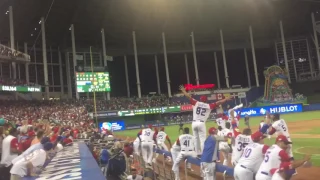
{"x":7,"y":12}
{"x":31,"y":34}
{"x":35,"y":28}
{"x":40,"y":22}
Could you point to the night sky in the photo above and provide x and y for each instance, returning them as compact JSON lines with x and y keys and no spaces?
{"x":206,"y":68}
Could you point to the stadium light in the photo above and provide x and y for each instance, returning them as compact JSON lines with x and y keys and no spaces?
{"x":7,"y":12}
{"x":40,"y":22}
{"x":31,"y":34}
{"x":35,"y":28}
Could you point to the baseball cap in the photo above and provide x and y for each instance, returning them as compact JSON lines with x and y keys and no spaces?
{"x":203,"y":98}
{"x":31,"y":133}
{"x":47,"y":146}
{"x":283,"y":139}
{"x":257,"y":136}
{"x":212,"y":130}
{"x":45,"y":140}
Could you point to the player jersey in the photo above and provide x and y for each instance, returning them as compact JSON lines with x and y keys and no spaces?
{"x":186,"y":142}
{"x":281,"y":128}
{"x":271,"y":160}
{"x":252,"y":156}
{"x":161,"y":137}
{"x":201,"y":111}
{"x":147,"y":135}
{"x":240,"y":143}
{"x":221,"y":122}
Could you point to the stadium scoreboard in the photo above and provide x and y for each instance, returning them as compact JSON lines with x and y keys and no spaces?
{"x":93,"y":82}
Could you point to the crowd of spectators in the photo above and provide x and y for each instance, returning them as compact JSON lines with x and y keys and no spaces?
{"x":7,"y":52}
{"x":14,"y":82}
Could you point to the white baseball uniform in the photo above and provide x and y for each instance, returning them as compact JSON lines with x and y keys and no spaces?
{"x":161,"y":138}
{"x":175,"y":149}
{"x":201,"y":112}
{"x":224,"y":148}
{"x":277,"y":176}
{"x":147,"y":145}
{"x":136,"y":146}
{"x":240,"y":142}
{"x":273,"y":158}
{"x":187,"y":144}
{"x":281,"y":128}
{"x":250,"y":161}
{"x":221,"y":122}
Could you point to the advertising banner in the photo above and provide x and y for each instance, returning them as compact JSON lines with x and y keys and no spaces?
{"x":187,"y":107}
{"x":105,"y":114}
{"x":169,"y":109}
{"x":21,"y":88}
{"x":113,"y":126}
{"x":260,"y":111}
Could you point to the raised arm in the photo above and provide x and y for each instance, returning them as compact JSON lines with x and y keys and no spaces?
{"x":223,"y":101}
{"x":183,"y":90}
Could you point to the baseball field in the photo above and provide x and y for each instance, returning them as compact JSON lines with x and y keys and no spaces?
{"x":304,"y":131}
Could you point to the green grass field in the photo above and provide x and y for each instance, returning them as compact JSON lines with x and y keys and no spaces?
{"x":298,"y":143}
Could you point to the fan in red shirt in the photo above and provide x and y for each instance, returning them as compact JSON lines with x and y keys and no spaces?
{"x":25,"y":144}
{"x":54,"y":137}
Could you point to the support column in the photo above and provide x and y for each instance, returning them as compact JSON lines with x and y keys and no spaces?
{"x":104,"y":50}
{"x":68,"y":76}
{"x":284,"y":51}
{"x":166,"y":63}
{"x":294,"y":62}
{"x":157,"y":73}
{"x":195,"y":58}
{"x":127,"y":76}
{"x":217,"y":69}
{"x":224,"y":59}
{"x":27,"y":63}
{"x":254,"y":57}
{"x":316,"y":39}
{"x":61,"y":72}
{"x":247,"y":67}
{"x":13,"y":64}
{"x":136,"y":63}
{"x":74,"y":58}
{"x":310,"y":60}
{"x":187,"y":67}
{"x":44,"y":56}
{"x":19,"y":75}
{"x":1,"y":70}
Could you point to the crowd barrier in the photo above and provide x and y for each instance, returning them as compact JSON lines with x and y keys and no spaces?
{"x":73,"y":162}
{"x":219,"y":167}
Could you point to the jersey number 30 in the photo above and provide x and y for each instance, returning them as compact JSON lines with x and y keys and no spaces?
{"x":201,"y":111}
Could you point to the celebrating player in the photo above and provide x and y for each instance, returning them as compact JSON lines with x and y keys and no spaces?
{"x":146,"y":138}
{"x":224,"y":147}
{"x":201,"y":112}
{"x":186,"y":142}
{"x":274,"y":156}
{"x":161,"y":138}
{"x":251,"y":158}
{"x":209,"y":156}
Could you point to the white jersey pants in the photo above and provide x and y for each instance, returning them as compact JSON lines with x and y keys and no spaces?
{"x":208,"y":170}
{"x":136,"y":147}
{"x":263,"y":175}
{"x":242,"y":173}
{"x":224,"y":149}
{"x":147,"y":151}
{"x":162,"y":146}
{"x":181,"y":156}
{"x":174,"y":154}
{"x":200,"y":133}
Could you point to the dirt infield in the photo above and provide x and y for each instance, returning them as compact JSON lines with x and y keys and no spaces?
{"x":312,"y":173}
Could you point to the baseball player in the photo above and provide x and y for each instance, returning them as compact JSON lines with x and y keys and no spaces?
{"x":251,"y":158}
{"x":181,"y":127}
{"x":224,"y":147}
{"x":279,"y":126}
{"x":201,"y":112}
{"x":274,"y":156}
{"x":187,"y":147}
{"x":209,"y":156}
{"x":240,"y":142}
{"x":175,"y":149}
{"x":221,"y":121}
{"x":246,"y":121}
{"x":286,"y":169}
{"x":161,"y":138}
{"x":136,"y":144}
{"x":146,"y":138}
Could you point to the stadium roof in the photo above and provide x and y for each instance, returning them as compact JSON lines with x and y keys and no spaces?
{"x":177,"y":18}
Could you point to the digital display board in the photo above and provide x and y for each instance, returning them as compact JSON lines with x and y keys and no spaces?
{"x":93,"y":82}
{"x":155,"y":110}
{"x":21,"y":88}
{"x":113,"y":126}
